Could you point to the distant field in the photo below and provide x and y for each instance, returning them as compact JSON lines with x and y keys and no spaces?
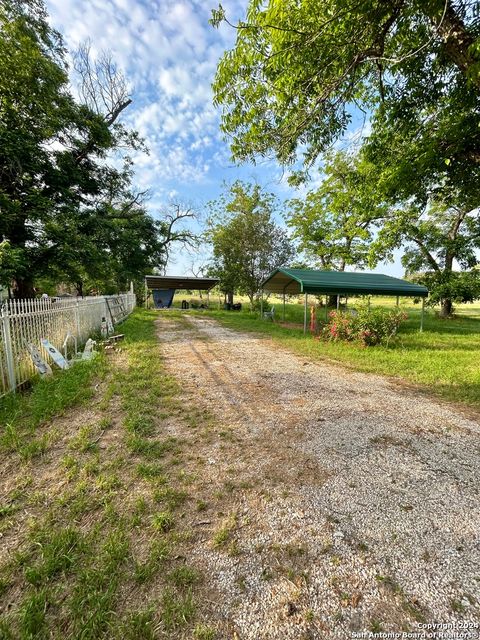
{"x":443,"y":359}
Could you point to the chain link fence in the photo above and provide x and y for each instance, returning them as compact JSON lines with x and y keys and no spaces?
{"x":24,"y":322}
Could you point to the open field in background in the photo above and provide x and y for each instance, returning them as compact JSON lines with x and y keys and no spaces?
{"x":444,"y":359}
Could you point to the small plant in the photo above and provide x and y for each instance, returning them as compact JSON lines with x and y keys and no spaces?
{"x":375,"y":626}
{"x":163,"y":521}
{"x":369,"y":327}
{"x":149,"y":470}
{"x":309,"y":615}
{"x":171,"y":498}
{"x":204,"y":632}
{"x":159,"y":553}
{"x":457,"y":606}
{"x":183,"y":576}
{"x":223,"y":535}
{"x":178,"y":609}
{"x":202,"y":505}
{"x":138,"y":624}
{"x":58,"y":550}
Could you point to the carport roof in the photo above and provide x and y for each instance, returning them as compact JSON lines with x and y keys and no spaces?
{"x":180,"y":282}
{"x":293,"y":281}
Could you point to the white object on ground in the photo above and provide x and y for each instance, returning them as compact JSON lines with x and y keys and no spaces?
{"x":42,"y":367}
{"x":88,"y":351}
{"x":55,"y":354}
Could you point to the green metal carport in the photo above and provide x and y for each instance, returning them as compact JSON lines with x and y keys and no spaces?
{"x":339,"y":283}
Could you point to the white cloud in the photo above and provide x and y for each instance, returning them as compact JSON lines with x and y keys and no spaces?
{"x":169,"y":53}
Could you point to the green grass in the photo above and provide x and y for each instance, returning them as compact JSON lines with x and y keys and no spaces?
{"x":22,"y":414}
{"x":443,"y":359}
{"x":51,"y":396}
{"x":108,"y":525}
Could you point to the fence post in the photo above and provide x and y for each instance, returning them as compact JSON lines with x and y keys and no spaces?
{"x":77,"y":319}
{"x":7,"y":341}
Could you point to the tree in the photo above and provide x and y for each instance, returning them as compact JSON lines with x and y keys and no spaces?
{"x":457,"y":286}
{"x":54,"y":174}
{"x":170,"y":233}
{"x":299,"y":68}
{"x":333,"y":223}
{"x":247,"y":243}
{"x":436,"y":237}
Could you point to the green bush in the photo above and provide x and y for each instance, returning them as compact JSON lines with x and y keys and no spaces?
{"x":369,"y":327}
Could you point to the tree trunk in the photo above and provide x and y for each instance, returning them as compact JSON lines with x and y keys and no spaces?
{"x":457,"y":40}
{"x":446,"y":308}
{"x":23,"y":288}
{"x":229,"y":297}
{"x":18,"y":237}
{"x":79,"y":288}
{"x":447,"y":304}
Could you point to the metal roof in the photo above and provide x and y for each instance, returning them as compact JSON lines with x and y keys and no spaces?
{"x":292,"y":281}
{"x":180,"y":282}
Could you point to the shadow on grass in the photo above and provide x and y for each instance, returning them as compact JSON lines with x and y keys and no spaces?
{"x":442,"y":360}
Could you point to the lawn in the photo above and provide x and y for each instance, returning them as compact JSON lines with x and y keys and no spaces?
{"x":443,"y":359}
{"x":91,"y":488}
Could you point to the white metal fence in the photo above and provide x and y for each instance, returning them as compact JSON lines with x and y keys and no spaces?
{"x":29,"y":321}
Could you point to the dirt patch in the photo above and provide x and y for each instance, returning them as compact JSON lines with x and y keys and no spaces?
{"x":331,"y":501}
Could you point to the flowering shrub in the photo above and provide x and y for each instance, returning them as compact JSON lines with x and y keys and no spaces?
{"x":369,"y":327}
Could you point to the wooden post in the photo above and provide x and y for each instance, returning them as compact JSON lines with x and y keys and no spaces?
{"x":305,"y":315}
{"x":368,"y":303}
{"x":326,"y":308}
{"x":261,"y":304}
{"x":421,"y":317}
{"x":398,"y":300}
{"x":338,"y":302}
{"x":284,"y":304}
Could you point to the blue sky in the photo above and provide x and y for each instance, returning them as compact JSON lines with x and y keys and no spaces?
{"x":169,"y":52}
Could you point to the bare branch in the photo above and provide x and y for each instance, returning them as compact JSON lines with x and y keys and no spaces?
{"x":103,"y":87}
{"x":171,"y":235}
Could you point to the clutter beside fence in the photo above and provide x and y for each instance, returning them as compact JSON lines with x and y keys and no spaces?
{"x":65,"y":323}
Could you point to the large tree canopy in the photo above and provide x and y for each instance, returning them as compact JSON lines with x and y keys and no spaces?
{"x":67,"y":212}
{"x":299,"y":67}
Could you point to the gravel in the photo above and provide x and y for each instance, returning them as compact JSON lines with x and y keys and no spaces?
{"x":356,"y":500}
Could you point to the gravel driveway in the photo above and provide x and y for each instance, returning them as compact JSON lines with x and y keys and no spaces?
{"x":347,"y":502}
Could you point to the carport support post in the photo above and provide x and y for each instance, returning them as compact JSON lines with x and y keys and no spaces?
{"x":338,"y":302}
{"x":326,"y":308}
{"x":305,"y":315}
{"x":284,"y":304}
{"x":398,"y":300}
{"x":421,"y":317}
{"x":261,"y":304}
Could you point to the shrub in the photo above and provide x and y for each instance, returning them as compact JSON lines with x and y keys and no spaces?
{"x":369,"y":327}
